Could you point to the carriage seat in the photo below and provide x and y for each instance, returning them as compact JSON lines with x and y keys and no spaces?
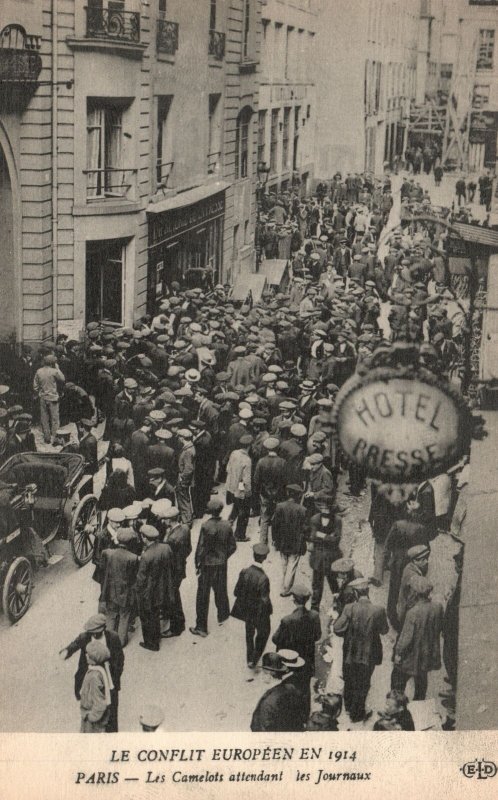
{"x":50,"y":480}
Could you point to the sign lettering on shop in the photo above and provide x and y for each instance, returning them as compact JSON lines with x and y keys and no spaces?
{"x":173,"y":223}
{"x":400,"y":429}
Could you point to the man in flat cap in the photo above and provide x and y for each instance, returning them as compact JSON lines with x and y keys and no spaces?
{"x":177,"y":536}
{"x":139,"y":457}
{"x":215,"y":545}
{"x":159,"y":488}
{"x":186,"y":472}
{"x":154,"y":586}
{"x":253,"y":605}
{"x":418,"y":648}
{"x":325,"y":538}
{"x":269,"y":484}
{"x":47,"y":383}
{"x":95,"y":630}
{"x":418,"y":564}
{"x":239,"y":486}
{"x":289,"y":531}
{"x":361,"y":624}
{"x":300,"y":630}
{"x":119,"y":572}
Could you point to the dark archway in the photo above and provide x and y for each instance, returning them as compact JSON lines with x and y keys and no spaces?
{"x":8,"y":286}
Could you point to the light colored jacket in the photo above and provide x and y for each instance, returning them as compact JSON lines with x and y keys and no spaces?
{"x":239,"y":474}
{"x":46,"y":382}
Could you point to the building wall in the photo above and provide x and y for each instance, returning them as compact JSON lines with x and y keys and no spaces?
{"x":242,"y":85}
{"x":287,"y":89}
{"x":364,"y":90}
{"x":25,"y":139}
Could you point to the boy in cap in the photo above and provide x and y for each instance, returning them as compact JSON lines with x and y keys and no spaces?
{"x":119,"y":567}
{"x":186,"y":471}
{"x":215,"y":545}
{"x":239,"y":486}
{"x":269,"y":483}
{"x":253,"y":605}
{"x":95,"y":629}
{"x":177,"y":536}
{"x":154,"y":586}
{"x":95,"y":699}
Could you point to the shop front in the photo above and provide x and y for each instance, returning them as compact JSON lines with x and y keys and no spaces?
{"x":186,"y":241}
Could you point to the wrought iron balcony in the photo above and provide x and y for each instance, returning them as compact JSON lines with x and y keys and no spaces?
{"x":213,"y":163}
{"x":217,"y":45}
{"x":107,"y":23}
{"x":167,"y":37}
{"x":110,"y":183}
{"x":163,"y":172}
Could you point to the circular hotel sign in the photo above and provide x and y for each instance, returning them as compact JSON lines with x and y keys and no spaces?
{"x":401,"y":429}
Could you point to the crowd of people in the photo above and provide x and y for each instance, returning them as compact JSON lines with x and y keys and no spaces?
{"x":212,"y":395}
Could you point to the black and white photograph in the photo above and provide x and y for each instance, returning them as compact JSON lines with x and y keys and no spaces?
{"x":249,"y":373}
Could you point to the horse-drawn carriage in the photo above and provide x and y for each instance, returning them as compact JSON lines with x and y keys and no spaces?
{"x":42,"y":495}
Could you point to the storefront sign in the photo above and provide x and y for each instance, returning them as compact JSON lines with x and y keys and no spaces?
{"x":401,"y":429}
{"x":173,"y":223}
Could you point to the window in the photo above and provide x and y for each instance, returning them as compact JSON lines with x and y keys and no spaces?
{"x":297,"y":115}
{"x":480,"y":97}
{"x":105,"y":174}
{"x":246,"y":232}
{"x":242,"y":143}
{"x":446,"y":71}
{"x":235,"y":244}
{"x":261,"y":136}
{"x":289,"y":65}
{"x":214,"y":144}
{"x":105,"y":268}
{"x":486,"y":49}
{"x":164,"y":151}
{"x":212,"y":16}
{"x":285,"y":138}
{"x":246,"y":27}
{"x":274,"y":140}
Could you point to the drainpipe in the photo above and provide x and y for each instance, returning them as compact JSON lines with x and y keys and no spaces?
{"x":55,"y":171}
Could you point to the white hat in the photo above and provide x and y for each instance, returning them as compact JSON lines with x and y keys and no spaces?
{"x":159,"y":508}
{"x":116,"y":515}
{"x":245,"y":413}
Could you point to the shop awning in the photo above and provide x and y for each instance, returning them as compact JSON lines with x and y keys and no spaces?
{"x":274,"y":270}
{"x":476,"y":234}
{"x":188,"y":198}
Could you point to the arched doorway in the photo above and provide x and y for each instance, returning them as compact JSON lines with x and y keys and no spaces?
{"x":8,"y":309}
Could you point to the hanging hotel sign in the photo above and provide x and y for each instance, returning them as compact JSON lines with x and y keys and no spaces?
{"x":401,"y":428}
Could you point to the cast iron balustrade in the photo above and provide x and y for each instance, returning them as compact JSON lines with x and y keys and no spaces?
{"x":109,"y":183}
{"x":107,"y":23}
{"x":217,"y":45}
{"x":163,"y":172}
{"x":213,"y":163}
{"x":167,"y":37}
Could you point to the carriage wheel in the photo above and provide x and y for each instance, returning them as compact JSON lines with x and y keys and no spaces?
{"x":83,"y":529}
{"x":17,"y":589}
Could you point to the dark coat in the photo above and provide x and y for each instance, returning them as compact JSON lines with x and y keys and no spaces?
{"x":216,"y":543}
{"x":88,"y":449}
{"x":154,"y":584}
{"x":299,"y":631}
{"x":325,"y":542}
{"x":282,"y":708}
{"x":289,"y":528}
{"x":269,"y":477}
{"x":419,"y":643}
{"x":139,"y":457}
{"x":119,"y":568}
{"x":160,"y":455}
{"x":362,"y":624}
{"x":116,"y":661}
{"x":252,"y":592}
{"x":179,"y":540}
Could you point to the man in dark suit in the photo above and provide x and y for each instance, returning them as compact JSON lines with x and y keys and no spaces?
{"x":162,"y":455}
{"x":154,"y":586}
{"x":361,"y":624}
{"x":289,"y":529}
{"x":119,"y":568}
{"x":139,"y":457}
{"x":88,"y":447}
{"x":301,"y":630}
{"x":177,"y":536}
{"x":159,"y":487}
{"x":215,"y":546}
{"x":95,"y":628}
{"x":342,"y":259}
{"x":253,"y":605}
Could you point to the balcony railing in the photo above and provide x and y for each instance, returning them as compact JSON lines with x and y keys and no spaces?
{"x":107,"y":23}
{"x":213,"y":163}
{"x":163,"y":172}
{"x":110,"y":183}
{"x":217,"y":45}
{"x":167,"y":37}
